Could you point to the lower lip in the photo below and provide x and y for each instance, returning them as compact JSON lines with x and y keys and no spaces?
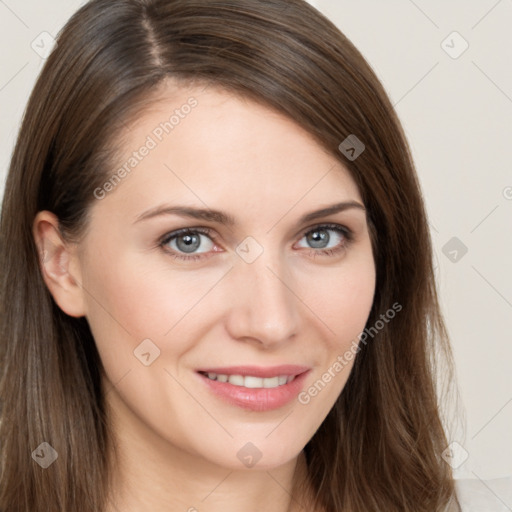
{"x":257,"y":399}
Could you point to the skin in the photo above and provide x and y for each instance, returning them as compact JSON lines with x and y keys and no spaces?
{"x":177,"y":442}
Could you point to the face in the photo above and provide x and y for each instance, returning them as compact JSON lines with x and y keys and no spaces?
{"x":224,"y":275}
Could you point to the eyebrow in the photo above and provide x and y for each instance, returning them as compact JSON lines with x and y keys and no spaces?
{"x":207,"y":214}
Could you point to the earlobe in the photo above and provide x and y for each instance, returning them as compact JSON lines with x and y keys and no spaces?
{"x":59,"y":264}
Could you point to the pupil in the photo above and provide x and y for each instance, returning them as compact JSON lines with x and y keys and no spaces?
{"x":318,"y":239}
{"x":188,"y":243}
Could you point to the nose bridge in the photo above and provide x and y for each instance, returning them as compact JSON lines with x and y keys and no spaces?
{"x":265,"y":309}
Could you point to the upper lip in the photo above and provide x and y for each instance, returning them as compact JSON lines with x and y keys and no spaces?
{"x":258,"y":371}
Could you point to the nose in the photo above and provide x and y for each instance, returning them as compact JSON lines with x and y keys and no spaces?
{"x":263,"y":306}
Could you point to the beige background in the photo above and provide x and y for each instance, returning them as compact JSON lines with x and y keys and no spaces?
{"x":457,"y":114}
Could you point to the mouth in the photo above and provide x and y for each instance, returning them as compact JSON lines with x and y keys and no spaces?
{"x":255,"y":388}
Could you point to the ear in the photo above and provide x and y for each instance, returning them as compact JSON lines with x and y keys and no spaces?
{"x":59,"y":264}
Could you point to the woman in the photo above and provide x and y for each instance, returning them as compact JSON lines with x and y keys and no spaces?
{"x":218,"y":289}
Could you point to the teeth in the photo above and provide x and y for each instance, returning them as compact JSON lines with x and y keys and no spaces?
{"x":249,"y":381}
{"x":272,"y":382}
{"x":236,"y":380}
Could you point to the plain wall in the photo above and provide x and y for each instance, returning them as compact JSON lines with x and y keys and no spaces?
{"x":457,"y":115}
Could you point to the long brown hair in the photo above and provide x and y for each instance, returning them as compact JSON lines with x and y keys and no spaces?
{"x":380,"y":447}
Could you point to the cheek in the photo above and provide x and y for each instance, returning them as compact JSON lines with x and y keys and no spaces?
{"x":119,"y":317}
{"x":342,"y":306}
{"x":131,"y":301}
{"x":342,"y":297}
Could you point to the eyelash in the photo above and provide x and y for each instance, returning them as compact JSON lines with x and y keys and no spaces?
{"x":342,"y":230}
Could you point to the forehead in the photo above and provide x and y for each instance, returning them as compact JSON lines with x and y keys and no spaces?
{"x":212,"y":148}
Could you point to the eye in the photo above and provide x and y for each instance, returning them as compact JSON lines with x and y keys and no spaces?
{"x":328,"y":244}
{"x":188,"y":242}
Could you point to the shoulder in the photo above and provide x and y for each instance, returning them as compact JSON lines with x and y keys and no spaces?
{"x":476,"y":495}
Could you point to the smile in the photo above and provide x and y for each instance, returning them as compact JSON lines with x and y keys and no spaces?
{"x":255,"y":388}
